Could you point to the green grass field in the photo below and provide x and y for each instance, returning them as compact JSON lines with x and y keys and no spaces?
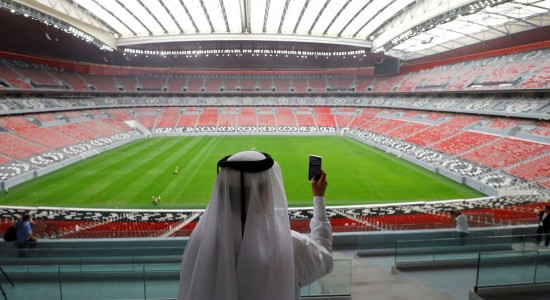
{"x":128,"y":177}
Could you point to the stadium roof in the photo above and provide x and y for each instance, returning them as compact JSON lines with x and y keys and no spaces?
{"x":406,"y":29}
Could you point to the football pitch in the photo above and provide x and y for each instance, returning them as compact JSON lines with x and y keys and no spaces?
{"x":129,"y":176}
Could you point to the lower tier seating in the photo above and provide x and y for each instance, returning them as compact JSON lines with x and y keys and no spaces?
{"x":75,"y":224}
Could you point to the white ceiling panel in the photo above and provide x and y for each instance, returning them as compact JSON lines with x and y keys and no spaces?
{"x":144,"y":16}
{"x":197,"y":14}
{"x":161,"y":15}
{"x":234,"y":15}
{"x":294,"y":10}
{"x":350,"y":22}
{"x":215,"y":15}
{"x":363,"y":18}
{"x":384,"y":15}
{"x":345,"y":17}
{"x":332,"y":8}
{"x":181,"y":17}
{"x":310,"y":15}
{"x":257,"y":15}
{"x":275,"y":15}
{"x":97,"y":10}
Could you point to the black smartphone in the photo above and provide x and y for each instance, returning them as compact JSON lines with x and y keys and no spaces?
{"x":314,"y":167}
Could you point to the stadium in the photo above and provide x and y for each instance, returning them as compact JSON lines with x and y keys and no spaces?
{"x":113,"y":115}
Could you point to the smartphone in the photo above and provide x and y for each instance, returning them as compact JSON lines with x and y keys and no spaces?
{"x":314,"y":167}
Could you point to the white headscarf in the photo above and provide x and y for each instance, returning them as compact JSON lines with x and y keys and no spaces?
{"x":222,"y":262}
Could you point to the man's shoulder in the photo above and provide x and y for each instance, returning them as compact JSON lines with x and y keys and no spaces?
{"x":296,"y":234}
{"x":298,"y":237}
{"x":24,"y":224}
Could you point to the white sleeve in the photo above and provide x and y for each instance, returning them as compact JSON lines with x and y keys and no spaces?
{"x":313,"y":254}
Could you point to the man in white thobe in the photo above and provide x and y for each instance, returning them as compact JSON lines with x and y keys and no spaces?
{"x":242,"y":247}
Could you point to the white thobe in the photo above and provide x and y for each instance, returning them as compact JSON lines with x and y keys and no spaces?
{"x":313,"y":253}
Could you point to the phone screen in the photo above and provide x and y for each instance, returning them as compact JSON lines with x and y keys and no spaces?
{"x":314,"y":167}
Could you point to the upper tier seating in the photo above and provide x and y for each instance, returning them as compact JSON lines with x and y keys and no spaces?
{"x":464,"y":78}
{"x":363,"y":84}
{"x":299,"y":85}
{"x":265,"y":85}
{"x":195,"y":85}
{"x":73,"y":80}
{"x":387,"y":84}
{"x":38,"y":78}
{"x":230,"y":84}
{"x":410,"y":82}
{"x":527,"y":70}
{"x":510,"y":72}
{"x":316,"y":85}
{"x":129,"y":83}
{"x":101,"y":83}
{"x":540,"y":78}
{"x":212,"y":85}
{"x":175,"y":85}
{"x":248,"y":84}
{"x":152,"y":84}
{"x":340,"y":83}
{"x":282,"y":85}
{"x":439,"y":82}
{"x":13,"y":79}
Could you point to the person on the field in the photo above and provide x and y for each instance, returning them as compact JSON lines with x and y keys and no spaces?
{"x":242,"y":247}
{"x":177,"y":170}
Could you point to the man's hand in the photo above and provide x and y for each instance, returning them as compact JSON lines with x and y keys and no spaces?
{"x":318,"y":186}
